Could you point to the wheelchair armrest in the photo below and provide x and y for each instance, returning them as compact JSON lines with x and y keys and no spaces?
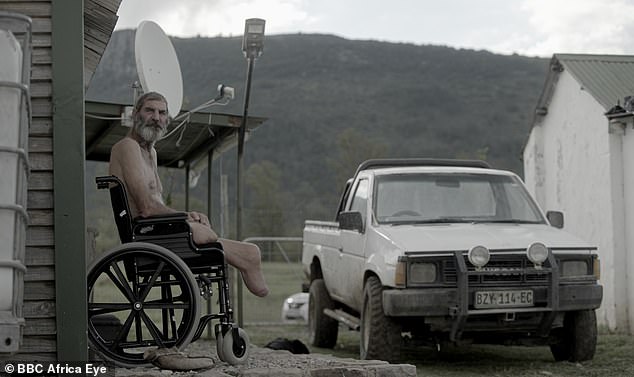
{"x":168,"y":217}
{"x":216,"y":246}
{"x":105,"y":181}
{"x":161,"y":226}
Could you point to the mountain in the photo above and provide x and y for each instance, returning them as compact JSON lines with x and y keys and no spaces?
{"x":333,"y":102}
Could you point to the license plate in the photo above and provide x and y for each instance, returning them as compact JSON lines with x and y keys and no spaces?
{"x":502,"y":299}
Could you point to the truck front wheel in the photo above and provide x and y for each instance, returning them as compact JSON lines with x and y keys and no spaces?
{"x":322,"y":329}
{"x":380,"y":335}
{"x":577,"y":340}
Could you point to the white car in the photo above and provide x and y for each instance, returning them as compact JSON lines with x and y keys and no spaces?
{"x":295,"y":308}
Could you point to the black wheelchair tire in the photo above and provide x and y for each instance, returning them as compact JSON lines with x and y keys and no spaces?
{"x":171,"y":273}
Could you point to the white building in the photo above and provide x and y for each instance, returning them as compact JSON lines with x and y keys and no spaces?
{"x":579,"y":159}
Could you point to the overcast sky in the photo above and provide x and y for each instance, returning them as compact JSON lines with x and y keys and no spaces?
{"x":526,"y":27}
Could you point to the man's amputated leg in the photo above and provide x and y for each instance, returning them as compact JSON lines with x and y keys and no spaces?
{"x":246,"y":258}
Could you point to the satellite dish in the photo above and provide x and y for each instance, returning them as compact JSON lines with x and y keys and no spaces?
{"x":157,"y":65}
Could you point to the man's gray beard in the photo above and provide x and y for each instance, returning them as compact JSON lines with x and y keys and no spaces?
{"x":149,"y":133}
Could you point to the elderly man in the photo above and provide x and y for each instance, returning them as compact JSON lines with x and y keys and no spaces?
{"x":133,"y":161}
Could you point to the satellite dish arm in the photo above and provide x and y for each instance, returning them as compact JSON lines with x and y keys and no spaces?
{"x":224,"y":92}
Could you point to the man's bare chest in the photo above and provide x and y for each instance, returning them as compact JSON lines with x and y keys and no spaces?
{"x":150,"y":174}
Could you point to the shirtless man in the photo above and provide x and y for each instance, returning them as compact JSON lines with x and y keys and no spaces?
{"x":133,"y":161}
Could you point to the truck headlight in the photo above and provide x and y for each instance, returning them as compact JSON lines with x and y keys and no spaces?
{"x":574,"y":268}
{"x":537,"y":253}
{"x":479,"y":256}
{"x":422,"y":273}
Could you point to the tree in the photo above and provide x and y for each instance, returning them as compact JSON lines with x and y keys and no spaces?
{"x":352,"y":148}
{"x":263,"y":215}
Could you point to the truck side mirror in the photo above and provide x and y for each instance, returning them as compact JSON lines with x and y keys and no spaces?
{"x":351,"y":221}
{"x":555,"y":218}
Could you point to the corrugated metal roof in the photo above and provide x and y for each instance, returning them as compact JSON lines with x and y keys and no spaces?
{"x":607,"y":78}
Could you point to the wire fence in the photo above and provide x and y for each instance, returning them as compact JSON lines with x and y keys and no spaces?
{"x":275,"y":249}
{"x":281,"y":257}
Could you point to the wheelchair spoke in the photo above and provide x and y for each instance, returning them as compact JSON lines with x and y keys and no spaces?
{"x":98,"y":308}
{"x":166,"y":305}
{"x":150,"y":284}
{"x":154,"y":331}
{"x":139,"y":328}
{"x":167,"y":314}
{"x":120,"y":282}
{"x":170,"y":324}
{"x":123,"y":334}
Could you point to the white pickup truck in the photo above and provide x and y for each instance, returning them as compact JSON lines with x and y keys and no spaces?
{"x":429,"y":252}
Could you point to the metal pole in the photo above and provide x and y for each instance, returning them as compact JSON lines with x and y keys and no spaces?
{"x":239,"y":196}
{"x":209,"y":208}
{"x":209,"y":190}
{"x":187,"y":170}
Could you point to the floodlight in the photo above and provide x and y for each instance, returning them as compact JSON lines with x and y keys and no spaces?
{"x":537,"y":253}
{"x":479,"y":256}
{"x":253,"y":38}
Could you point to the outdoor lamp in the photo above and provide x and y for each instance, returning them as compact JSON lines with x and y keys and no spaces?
{"x":253,"y":38}
{"x":252,"y":46}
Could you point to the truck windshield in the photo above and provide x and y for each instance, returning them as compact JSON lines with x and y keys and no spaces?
{"x":452,"y":197}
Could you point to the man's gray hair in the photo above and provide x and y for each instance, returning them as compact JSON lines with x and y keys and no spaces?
{"x":149,"y":96}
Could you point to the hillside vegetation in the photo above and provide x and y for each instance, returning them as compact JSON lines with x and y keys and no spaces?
{"x":332,"y":103}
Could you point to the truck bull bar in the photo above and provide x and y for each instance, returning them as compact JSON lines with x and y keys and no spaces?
{"x":461,"y":311}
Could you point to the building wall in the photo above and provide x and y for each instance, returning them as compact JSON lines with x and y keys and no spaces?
{"x":534,"y":163}
{"x":39,"y":287}
{"x":568,"y":168}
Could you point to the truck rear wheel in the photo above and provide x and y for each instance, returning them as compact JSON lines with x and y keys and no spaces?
{"x":577,"y":340}
{"x":380,"y":335}
{"x":323,"y":330}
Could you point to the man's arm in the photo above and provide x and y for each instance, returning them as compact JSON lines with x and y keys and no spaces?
{"x":140,"y":178}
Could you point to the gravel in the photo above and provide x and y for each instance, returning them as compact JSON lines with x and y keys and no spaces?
{"x":267,"y":362}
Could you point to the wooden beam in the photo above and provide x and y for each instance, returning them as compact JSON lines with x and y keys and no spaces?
{"x":68,"y":193}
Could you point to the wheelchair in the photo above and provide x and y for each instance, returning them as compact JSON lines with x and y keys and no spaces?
{"x":146,"y":293}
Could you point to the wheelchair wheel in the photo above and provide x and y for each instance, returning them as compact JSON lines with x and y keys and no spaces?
{"x":140,"y":296}
{"x":219,"y":343}
{"x":235,"y":346}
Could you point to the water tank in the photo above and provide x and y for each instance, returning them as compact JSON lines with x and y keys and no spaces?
{"x":14,"y":123}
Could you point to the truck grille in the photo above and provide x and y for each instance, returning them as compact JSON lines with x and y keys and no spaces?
{"x":500,"y":269}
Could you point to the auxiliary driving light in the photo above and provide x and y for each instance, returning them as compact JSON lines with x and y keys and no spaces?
{"x":537,"y":253}
{"x":479,"y":256}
